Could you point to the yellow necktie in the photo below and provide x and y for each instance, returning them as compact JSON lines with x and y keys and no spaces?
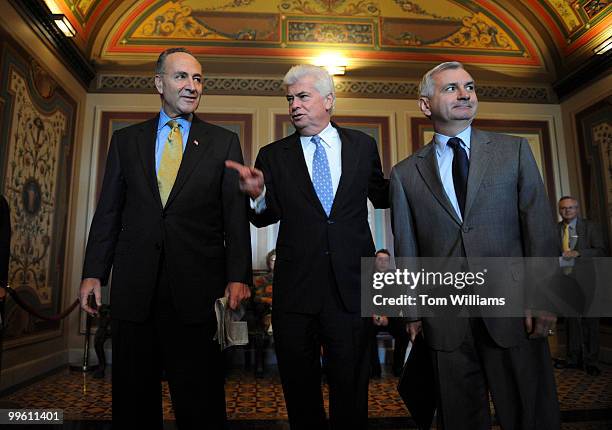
{"x":565,"y":240}
{"x":170,"y":161}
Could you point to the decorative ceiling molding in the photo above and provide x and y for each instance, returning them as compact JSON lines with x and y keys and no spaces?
{"x":474,"y":31}
{"x":115,"y":83}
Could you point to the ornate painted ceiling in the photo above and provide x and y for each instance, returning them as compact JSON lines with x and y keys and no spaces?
{"x":535,"y":38}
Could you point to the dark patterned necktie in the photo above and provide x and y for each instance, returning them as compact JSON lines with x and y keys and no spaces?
{"x":461,"y":168}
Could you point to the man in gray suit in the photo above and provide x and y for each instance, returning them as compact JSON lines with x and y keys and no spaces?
{"x":580,"y":240}
{"x":472,"y":193}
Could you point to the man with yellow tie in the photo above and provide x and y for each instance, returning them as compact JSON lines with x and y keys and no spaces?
{"x":581,"y":240}
{"x":173,"y":225}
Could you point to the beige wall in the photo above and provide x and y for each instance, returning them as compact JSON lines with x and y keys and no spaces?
{"x":263,"y":110}
{"x":40,"y":354}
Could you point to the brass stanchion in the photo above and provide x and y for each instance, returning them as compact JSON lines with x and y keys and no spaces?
{"x":84,"y":366}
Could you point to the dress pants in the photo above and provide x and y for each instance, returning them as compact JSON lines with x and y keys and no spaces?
{"x":184,"y":353}
{"x":520,"y":380}
{"x":344,"y":337}
{"x":582,"y":340}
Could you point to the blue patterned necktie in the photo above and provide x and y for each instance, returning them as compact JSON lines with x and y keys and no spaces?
{"x":321,"y":176}
{"x":461,"y":169}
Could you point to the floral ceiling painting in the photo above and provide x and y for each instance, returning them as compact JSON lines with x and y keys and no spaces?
{"x":391,"y":30}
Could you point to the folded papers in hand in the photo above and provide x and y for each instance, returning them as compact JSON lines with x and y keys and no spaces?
{"x":230,"y":330}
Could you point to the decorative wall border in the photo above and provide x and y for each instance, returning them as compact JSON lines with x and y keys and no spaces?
{"x":223,"y":85}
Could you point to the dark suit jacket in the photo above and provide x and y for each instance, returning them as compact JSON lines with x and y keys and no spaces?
{"x":590,"y":244}
{"x":5,"y":239}
{"x":308,"y":239}
{"x":203,"y":231}
{"x":506,"y":215}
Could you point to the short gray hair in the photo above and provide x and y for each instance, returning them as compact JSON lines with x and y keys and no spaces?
{"x":161,"y":60}
{"x":324,"y":83}
{"x":426,"y":87}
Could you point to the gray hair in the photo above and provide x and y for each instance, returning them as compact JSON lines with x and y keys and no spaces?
{"x":324,"y":83}
{"x":426,"y":87}
{"x":161,"y":60}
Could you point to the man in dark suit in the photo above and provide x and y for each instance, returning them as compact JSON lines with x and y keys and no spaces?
{"x":471,"y":193}
{"x":173,"y":226}
{"x":317,"y":182}
{"x":579,"y":241}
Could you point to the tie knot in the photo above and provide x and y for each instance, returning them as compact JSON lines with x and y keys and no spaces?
{"x":173,"y":124}
{"x":316,"y":139}
{"x":454,"y":142}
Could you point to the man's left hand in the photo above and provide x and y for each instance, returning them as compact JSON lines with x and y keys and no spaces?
{"x":236,"y":292}
{"x":544,"y":324}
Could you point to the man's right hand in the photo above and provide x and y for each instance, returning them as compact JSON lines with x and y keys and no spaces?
{"x":90,"y":286}
{"x":414,"y":328}
{"x":251,"y":179}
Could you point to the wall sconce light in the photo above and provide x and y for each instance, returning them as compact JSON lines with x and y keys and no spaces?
{"x":335,"y":64}
{"x":603,"y":47}
{"x":63,"y":24}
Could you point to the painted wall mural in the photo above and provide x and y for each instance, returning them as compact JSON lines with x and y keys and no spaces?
{"x":37,"y":139}
{"x":372,"y":29}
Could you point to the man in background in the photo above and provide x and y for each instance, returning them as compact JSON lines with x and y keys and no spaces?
{"x":317,"y":183}
{"x":173,"y":226}
{"x":472,"y":193}
{"x":395,"y":326}
{"x":580,"y":240}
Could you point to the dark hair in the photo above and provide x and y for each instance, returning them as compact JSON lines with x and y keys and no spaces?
{"x":161,"y":60}
{"x":383,"y":251}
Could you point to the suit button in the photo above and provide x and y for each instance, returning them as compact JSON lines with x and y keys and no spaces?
{"x":465,"y":228}
{"x":327,"y":252}
{"x":163,"y":214}
{"x":329,"y":221}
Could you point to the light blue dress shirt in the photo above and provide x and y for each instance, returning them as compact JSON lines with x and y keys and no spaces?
{"x":333,"y":149}
{"x":445,"y":155}
{"x":163,"y":130}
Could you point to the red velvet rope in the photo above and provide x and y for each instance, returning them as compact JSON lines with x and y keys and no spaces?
{"x":32,"y":311}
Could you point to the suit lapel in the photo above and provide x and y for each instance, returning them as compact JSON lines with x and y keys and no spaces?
{"x":191,"y":156}
{"x":427,"y":165}
{"x":296,"y":163}
{"x":146,"y":140}
{"x":350,"y":157}
{"x":480,"y":156}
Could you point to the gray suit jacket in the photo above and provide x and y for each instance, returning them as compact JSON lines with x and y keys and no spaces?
{"x":507,"y":214}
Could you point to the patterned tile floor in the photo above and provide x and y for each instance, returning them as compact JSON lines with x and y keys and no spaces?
{"x":586,"y":402}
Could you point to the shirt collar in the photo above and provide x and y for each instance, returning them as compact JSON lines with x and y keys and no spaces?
{"x":572,"y":223}
{"x":184,"y":121}
{"x":326,"y":135}
{"x":440,"y":140}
